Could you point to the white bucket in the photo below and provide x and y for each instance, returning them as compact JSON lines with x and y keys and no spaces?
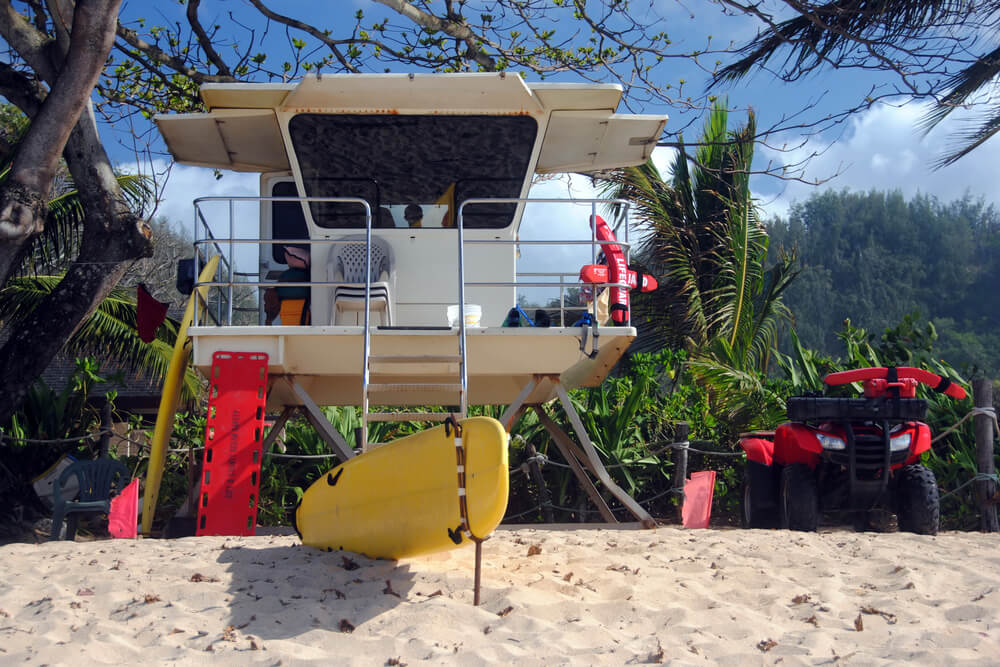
{"x":473,"y":315}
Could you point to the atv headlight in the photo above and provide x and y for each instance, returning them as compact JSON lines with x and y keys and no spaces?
{"x":830,"y":442}
{"x":900,"y":443}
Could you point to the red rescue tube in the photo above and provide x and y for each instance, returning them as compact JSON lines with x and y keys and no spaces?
{"x":932,"y":380}
{"x":617,"y":269}
{"x":599,"y":273}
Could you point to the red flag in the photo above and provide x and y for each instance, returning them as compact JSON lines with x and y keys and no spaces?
{"x":124,"y":514}
{"x":150,"y":314}
{"x":698,"y":492}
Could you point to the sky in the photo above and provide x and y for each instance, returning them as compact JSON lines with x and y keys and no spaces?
{"x":880,"y":148}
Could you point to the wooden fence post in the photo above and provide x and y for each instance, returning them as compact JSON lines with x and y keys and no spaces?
{"x":681,"y":432}
{"x":982,"y":397}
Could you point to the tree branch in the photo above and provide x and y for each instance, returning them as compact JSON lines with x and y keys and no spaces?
{"x":448,"y":26}
{"x":157,"y":55}
{"x":34,"y":168}
{"x":29,"y":43}
{"x":306,"y":28}
{"x":204,"y":40}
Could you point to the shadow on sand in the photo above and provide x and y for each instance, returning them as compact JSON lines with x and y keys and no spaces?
{"x":283,"y":591}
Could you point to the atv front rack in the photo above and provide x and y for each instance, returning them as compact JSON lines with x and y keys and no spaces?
{"x":822,"y":408}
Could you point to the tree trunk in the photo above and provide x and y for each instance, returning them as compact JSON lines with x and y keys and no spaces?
{"x":112,"y":236}
{"x":72,"y":79}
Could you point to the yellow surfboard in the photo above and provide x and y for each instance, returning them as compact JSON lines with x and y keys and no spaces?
{"x":403,"y":499}
{"x":169,"y":398}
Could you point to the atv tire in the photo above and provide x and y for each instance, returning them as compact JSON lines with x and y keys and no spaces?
{"x":799,"y":502}
{"x":758,"y":506}
{"x":753,"y":513}
{"x":918,"y":505}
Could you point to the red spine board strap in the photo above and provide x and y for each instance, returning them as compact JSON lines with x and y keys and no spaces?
{"x":933,"y":380}
{"x":598,"y":273}
{"x":230,"y":483}
{"x":617,"y":269}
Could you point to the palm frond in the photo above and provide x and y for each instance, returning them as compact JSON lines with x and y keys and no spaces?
{"x":109,"y":334}
{"x":823,"y":30}
{"x":970,"y":140}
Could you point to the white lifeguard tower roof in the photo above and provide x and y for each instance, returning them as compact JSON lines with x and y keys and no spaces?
{"x":241,"y":131}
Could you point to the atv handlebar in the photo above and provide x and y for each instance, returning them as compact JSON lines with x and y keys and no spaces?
{"x":894,"y":374}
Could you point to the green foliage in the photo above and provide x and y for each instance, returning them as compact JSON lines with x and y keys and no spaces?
{"x":717,"y":296}
{"x":877,"y":258}
{"x":48,"y":415}
{"x":62,"y":416}
{"x":109,"y":333}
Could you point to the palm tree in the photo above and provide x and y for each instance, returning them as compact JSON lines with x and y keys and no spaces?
{"x":944,"y":50}
{"x":702,"y":236}
{"x":111,"y":331}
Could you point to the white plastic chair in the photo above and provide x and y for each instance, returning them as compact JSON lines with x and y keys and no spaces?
{"x":347,"y":265}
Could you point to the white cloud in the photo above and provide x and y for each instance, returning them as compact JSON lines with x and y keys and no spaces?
{"x":179,"y":186}
{"x":884,"y":149}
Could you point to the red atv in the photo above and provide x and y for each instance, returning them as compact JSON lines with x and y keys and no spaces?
{"x":847,"y":454}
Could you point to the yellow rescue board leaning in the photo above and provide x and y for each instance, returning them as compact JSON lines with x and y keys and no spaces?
{"x":170,"y":397}
{"x":403,"y":499}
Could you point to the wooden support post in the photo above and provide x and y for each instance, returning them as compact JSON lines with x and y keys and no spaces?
{"x":513,"y":410}
{"x":536,"y":476}
{"x":279,"y":424}
{"x":323,"y":427}
{"x":982,"y":396}
{"x":561,"y":440}
{"x":681,"y":432}
{"x":105,"y":441}
{"x":595,"y":461}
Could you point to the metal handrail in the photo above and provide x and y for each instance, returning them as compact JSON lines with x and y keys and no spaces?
{"x":232,"y":242}
{"x":226,"y":261}
{"x":460,"y":224}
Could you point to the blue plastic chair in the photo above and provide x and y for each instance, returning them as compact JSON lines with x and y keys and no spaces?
{"x":98,"y":481}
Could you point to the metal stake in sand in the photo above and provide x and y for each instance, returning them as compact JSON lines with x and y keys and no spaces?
{"x":479,"y":571}
{"x":463,"y":507}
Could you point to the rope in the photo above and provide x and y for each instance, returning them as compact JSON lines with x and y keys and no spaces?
{"x":56,"y":441}
{"x":978,"y":477}
{"x":184,"y":450}
{"x":276,"y":455}
{"x":989,"y":412}
{"x":540,"y":459}
{"x":686,"y":445}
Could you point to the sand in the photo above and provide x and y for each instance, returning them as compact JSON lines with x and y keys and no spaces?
{"x":551,"y":595}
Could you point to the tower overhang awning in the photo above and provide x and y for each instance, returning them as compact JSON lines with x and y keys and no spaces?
{"x":587,"y":141}
{"x":234,"y":139}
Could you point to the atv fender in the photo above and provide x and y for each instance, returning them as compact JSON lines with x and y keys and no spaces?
{"x":758,"y":450}
{"x":921,"y":442}
{"x":796,"y":443}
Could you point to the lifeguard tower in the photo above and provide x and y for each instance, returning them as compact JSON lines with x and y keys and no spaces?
{"x":399,"y":196}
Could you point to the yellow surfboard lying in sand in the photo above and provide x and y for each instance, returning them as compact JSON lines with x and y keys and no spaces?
{"x":403,"y":499}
